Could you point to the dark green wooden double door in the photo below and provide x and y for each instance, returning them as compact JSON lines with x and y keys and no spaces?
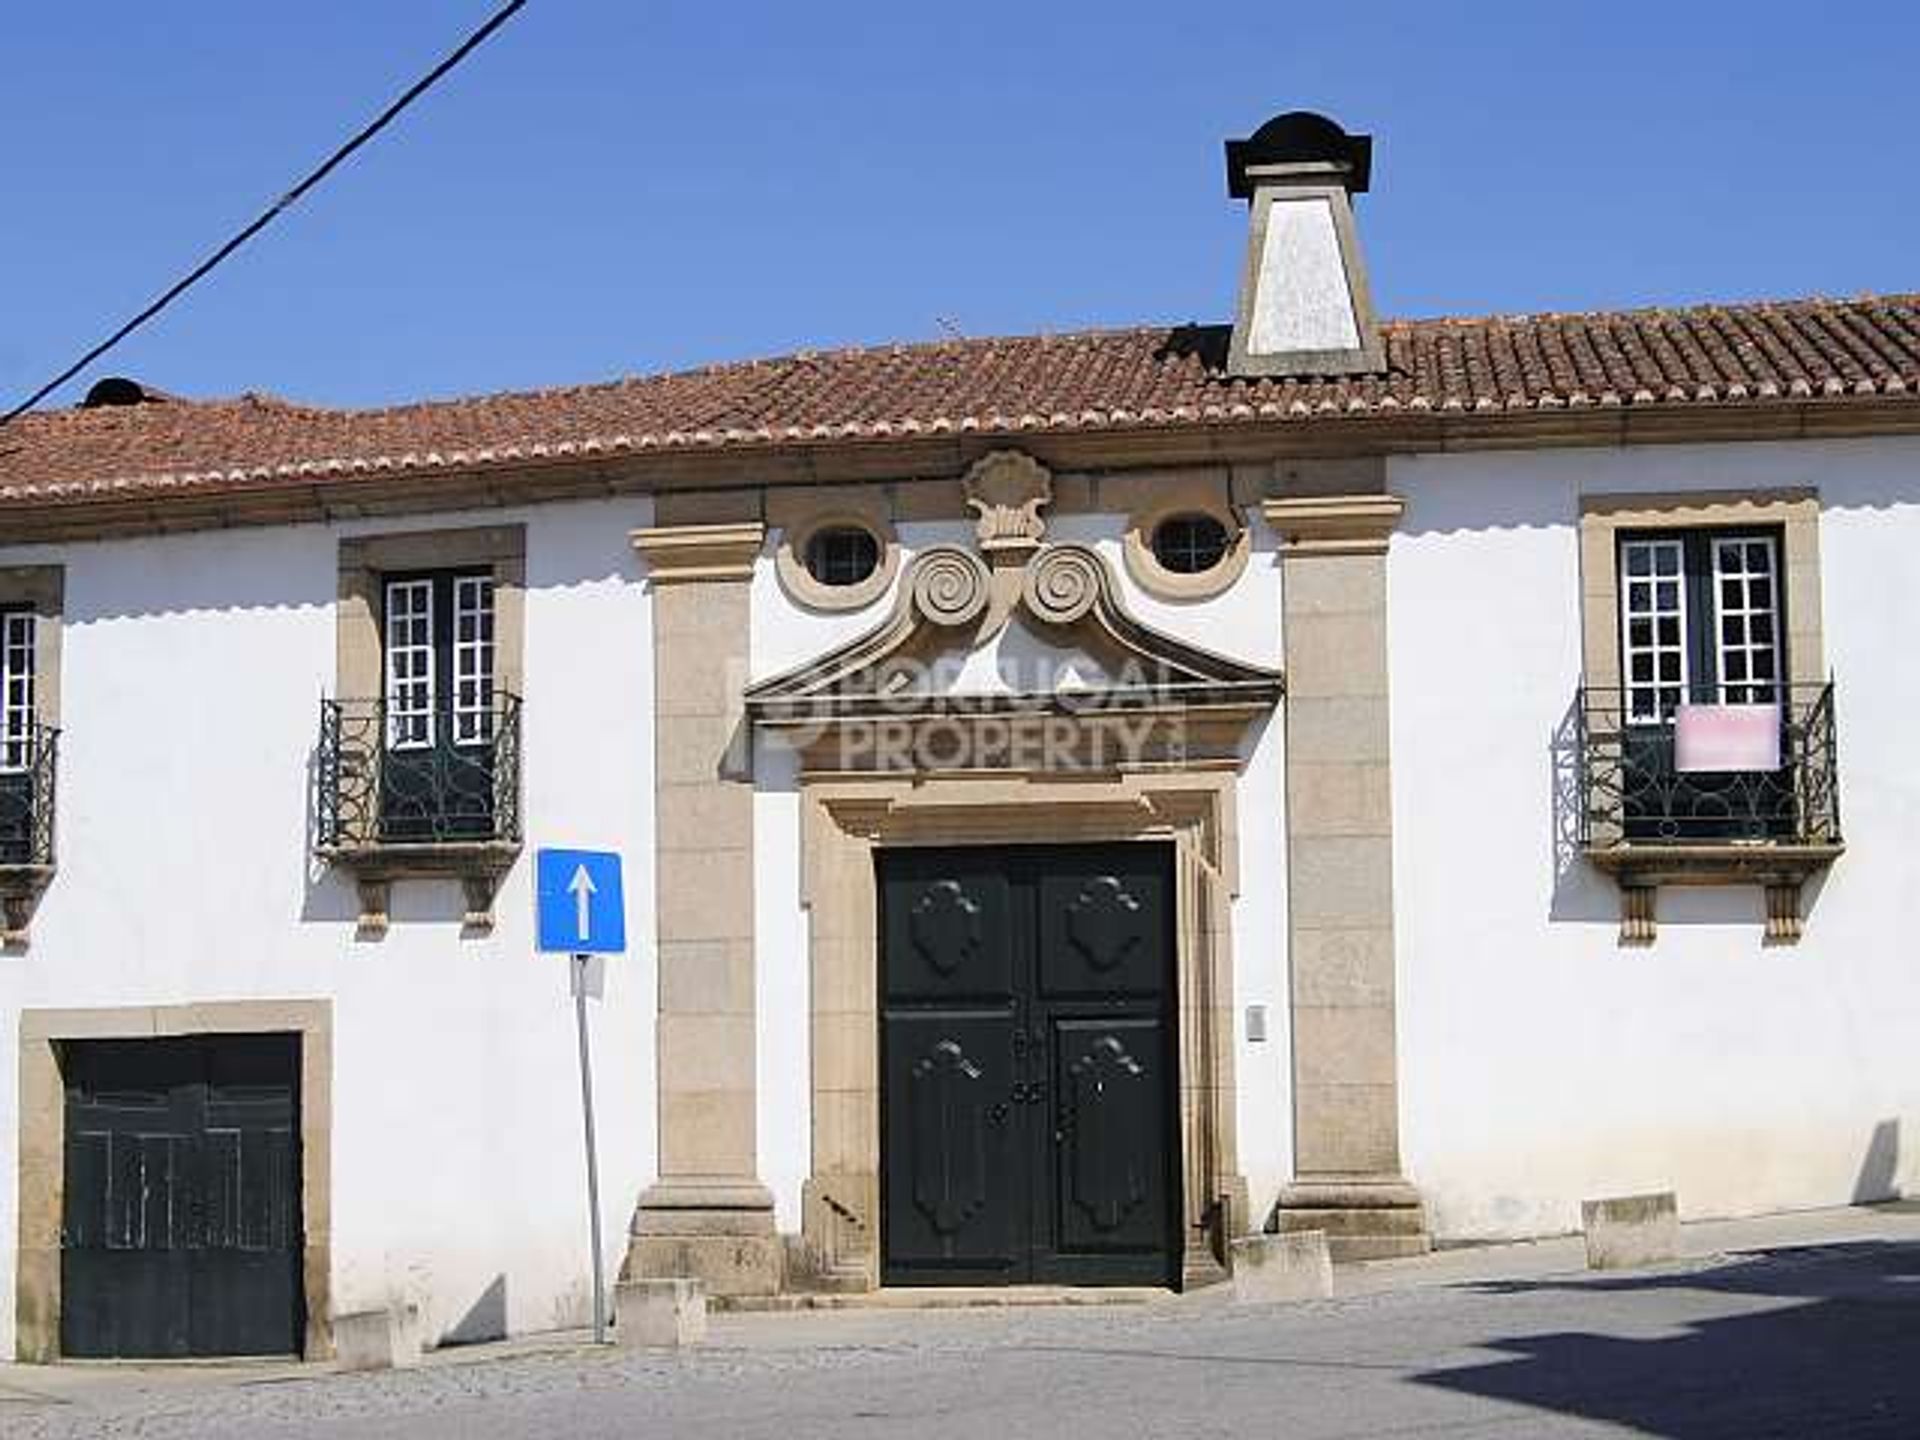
{"x":181,"y":1226}
{"x":1029,"y":1088}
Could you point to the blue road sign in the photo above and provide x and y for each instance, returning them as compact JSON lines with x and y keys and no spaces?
{"x":581,"y":911}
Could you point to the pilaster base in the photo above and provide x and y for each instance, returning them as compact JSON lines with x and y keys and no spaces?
{"x":1364,"y":1217}
{"x":718,"y":1232}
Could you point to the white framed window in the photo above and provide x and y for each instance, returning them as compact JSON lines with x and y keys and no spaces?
{"x":1747,"y":605}
{"x":1700,"y":622}
{"x":1653,"y":627}
{"x":473,"y":659}
{"x":17,"y":635}
{"x":410,"y":670}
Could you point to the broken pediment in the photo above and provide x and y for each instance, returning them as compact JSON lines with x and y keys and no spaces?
{"x":1051,"y":635}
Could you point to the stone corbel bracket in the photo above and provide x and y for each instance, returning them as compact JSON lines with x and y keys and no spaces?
{"x":21,"y":887}
{"x":479,"y":866}
{"x":1781,"y":870}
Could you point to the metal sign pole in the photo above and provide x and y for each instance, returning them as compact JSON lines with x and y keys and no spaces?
{"x":580,"y":963}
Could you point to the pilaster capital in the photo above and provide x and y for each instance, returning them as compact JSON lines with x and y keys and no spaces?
{"x":1333,"y":524}
{"x":677,"y":554}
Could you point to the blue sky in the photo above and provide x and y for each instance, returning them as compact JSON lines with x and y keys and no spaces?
{"x":612,"y":188}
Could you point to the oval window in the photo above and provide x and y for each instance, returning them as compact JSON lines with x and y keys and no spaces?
{"x":842,"y":555}
{"x":1190,"y":544}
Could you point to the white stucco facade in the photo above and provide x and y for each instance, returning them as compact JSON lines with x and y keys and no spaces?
{"x":1541,"y":1062}
{"x":193,"y":668}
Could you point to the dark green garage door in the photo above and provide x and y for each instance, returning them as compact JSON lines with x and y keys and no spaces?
{"x":181,"y":1231}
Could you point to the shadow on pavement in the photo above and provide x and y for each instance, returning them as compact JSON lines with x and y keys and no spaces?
{"x":1841,"y":1356}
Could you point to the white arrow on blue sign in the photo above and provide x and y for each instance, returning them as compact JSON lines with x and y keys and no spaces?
{"x":581,"y":909}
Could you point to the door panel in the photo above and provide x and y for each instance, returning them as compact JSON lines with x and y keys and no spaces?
{"x":1103,"y":930}
{"x":1028,"y":1076}
{"x":950,"y":1162}
{"x":948,"y":929}
{"x":1111,"y":1113}
{"x":181,"y":1229}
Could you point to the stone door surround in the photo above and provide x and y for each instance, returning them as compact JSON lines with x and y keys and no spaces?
{"x":845,"y":820}
{"x":42,"y":1145}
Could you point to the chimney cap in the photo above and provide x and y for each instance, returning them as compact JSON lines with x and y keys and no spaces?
{"x":113,"y":390}
{"x":1299,"y":137}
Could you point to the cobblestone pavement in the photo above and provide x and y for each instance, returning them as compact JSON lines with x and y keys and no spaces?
{"x":1816,"y":1341}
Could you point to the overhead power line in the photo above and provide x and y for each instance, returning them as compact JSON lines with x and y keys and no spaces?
{"x":325,"y":168}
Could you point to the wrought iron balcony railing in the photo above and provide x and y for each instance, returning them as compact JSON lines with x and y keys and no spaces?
{"x":27,"y":763}
{"x":1633,"y":790}
{"x":445,"y":776}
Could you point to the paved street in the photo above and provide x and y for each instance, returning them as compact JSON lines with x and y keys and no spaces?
{"x":1816,"y":1335}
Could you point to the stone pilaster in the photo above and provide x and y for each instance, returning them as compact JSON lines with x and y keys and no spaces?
{"x":1340,"y":878}
{"x":708,"y":1217}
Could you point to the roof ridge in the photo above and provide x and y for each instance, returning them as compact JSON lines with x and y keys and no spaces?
{"x":808,"y":355}
{"x":1642,"y":312}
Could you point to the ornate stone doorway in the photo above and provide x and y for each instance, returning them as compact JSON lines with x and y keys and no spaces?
{"x":1090,"y":727}
{"x":847,"y":821}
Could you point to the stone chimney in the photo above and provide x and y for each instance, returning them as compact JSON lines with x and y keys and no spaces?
{"x":1304,"y":305}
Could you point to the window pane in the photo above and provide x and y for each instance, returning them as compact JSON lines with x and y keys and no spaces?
{"x":1654,"y":625}
{"x":409,"y":663}
{"x":16,"y":689}
{"x":473,"y":659}
{"x":1748,"y":630}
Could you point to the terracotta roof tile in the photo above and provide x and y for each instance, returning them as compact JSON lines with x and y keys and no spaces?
{"x":1149,"y":377}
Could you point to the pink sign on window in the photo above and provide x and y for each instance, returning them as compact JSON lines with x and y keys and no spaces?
{"x":1726,"y":737}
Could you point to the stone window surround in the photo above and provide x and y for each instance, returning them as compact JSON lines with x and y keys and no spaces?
{"x":1795,"y":512}
{"x":1159,"y":498}
{"x":41,"y":1173}
{"x":845,"y":820}
{"x":42,"y":587}
{"x":801,"y":517}
{"x":360,"y":674}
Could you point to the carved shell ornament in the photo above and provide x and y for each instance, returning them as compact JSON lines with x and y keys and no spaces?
{"x":1007,"y":491}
